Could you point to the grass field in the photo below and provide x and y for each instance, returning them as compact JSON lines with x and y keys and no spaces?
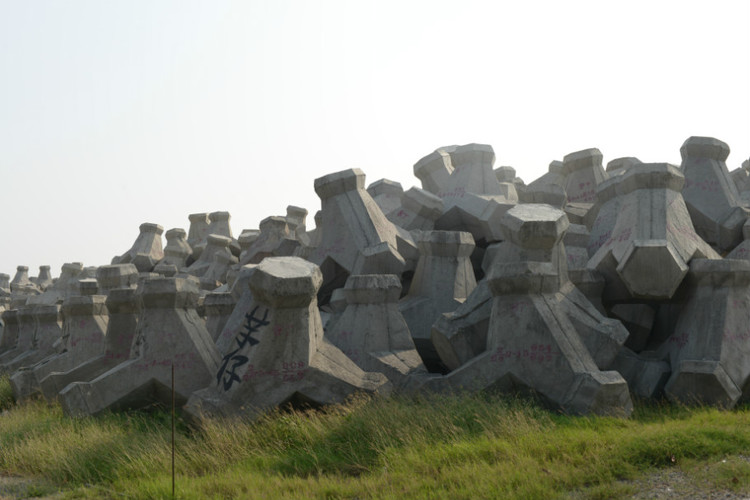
{"x":471,"y":446}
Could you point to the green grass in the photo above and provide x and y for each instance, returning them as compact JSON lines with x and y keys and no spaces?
{"x":469,"y":446}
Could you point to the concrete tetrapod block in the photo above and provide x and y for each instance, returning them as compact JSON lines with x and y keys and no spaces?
{"x":372,"y":332}
{"x":646,"y":377}
{"x":43,"y":324}
{"x":123,"y":305}
{"x":22,"y":284}
{"x":531,"y":342}
{"x":443,"y":280}
{"x":474,"y":199}
{"x":147,"y":250}
{"x":65,"y":286}
{"x":296,"y":218}
{"x":197,"y":234}
{"x":116,"y":276}
{"x":356,"y":237}
{"x":710,"y":195}
{"x":742,"y":251}
{"x":218,"y":308}
{"x":653,"y":239}
{"x":419,"y":210}
{"x":710,"y":348}
{"x":583,"y":172}
{"x":177,"y":252}
{"x":170,"y":334}
{"x":387,"y":194}
{"x":9,"y":338}
{"x":24,"y":335}
{"x":219,"y":224}
{"x":84,"y":326}
{"x":279,"y":355}
{"x":44,"y":279}
{"x":214,"y":244}
{"x":276,"y":239}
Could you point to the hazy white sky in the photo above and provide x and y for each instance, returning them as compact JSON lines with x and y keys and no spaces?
{"x":114,"y":113}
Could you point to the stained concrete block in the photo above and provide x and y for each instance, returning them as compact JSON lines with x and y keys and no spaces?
{"x":40,"y":328}
{"x":276,"y":239}
{"x":177,"y":253}
{"x":419,"y":210}
{"x":372,"y":332}
{"x":218,"y":306}
{"x":653,"y":239}
{"x":356,"y":237}
{"x":215,"y":244}
{"x":583,"y":172}
{"x":709,"y":350}
{"x":22,"y":284}
{"x":710,"y":195}
{"x":147,"y":250}
{"x":116,"y":276}
{"x":474,"y":199}
{"x":123,"y":306}
{"x":44,"y":280}
{"x":84,"y":326}
{"x":170,"y":334}
{"x":531,"y":342}
{"x":443,"y":280}
{"x":576,"y":240}
{"x":388,"y":195}
{"x":279,"y":354}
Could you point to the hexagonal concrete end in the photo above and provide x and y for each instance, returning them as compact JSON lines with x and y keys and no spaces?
{"x":166,"y":293}
{"x":652,"y":269}
{"x":445,"y":243}
{"x":385,"y":186}
{"x":582,"y":159}
{"x":285,"y":282}
{"x":339,"y":182}
{"x":650,"y":176}
{"x":438,"y":159}
{"x":622,"y":163}
{"x":534,"y":225}
{"x":702,"y":382}
{"x":704,"y":147}
{"x":555,"y":167}
{"x":472,"y":155}
{"x":505,"y":174}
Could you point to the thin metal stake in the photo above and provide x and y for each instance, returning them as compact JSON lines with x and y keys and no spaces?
{"x":172,"y":430}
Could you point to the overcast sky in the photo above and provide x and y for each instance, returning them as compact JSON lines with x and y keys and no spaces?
{"x":114,"y":113}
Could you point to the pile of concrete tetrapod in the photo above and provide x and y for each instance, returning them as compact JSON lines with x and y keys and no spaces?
{"x":586,"y":287}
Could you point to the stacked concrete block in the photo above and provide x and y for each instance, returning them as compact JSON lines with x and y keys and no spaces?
{"x":84,"y":326}
{"x":388,"y":195}
{"x":246,"y":238}
{"x":276,"y":239}
{"x":116,"y":276}
{"x":419,"y":210}
{"x":5,"y":283}
{"x":741,"y":179}
{"x":356,"y":238}
{"x":9,"y":337}
{"x":170,"y":334}
{"x":21,"y":284}
{"x":216,"y":274}
{"x":123,"y":306}
{"x":219,"y":224}
{"x":443,"y":280}
{"x":710,"y":194}
{"x":619,"y":166}
{"x":177,"y":253}
{"x":554,"y":176}
{"x":215,"y":244}
{"x":39,"y":334}
{"x":197,"y":234}
{"x":531,"y":343}
{"x":742,"y":251}
{"x":296,"y":218}
{"x":44,"y":280}
{"x":583,"y":172}
{"x":279,"y":354}
{"x":218,"y":307}
{"x":653,"y":239}
{"x":709,"y":350}
{"x":474,"y":199}
{"x":372,"y":332}
{"x":576,"y":241}
{"x":147,"y":250}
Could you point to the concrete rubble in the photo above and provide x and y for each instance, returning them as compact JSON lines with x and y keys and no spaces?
{"x":583,"y":286}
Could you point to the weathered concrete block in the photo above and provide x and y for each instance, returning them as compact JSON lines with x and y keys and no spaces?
{"x":40,"y":323}
{"x":443,"y":280}
{"x":653,"y":239}
{"x":583,"y":172}
{"x":9,"y":337}
{"x":123,"y":306}
{"x":177,"y":253}
{"x":279,"y":354}
{"x":474,"y":200}
{"x":532,"y":342}
{"x":276,"y":239}
{"x":116,"y":276}
{"x":419,"y":210}
{"x":169,"y":333}
{"x":387,"y":194}
{"x":218,"y":307}
{"x":197,"y":234}
{"x":356,"y":237}
{"x":215,"y":244}
{"x":22,"y":284}
{"x":372,"y":332}
{"x":709,"y":349}
{"x":84,"y":326}
{"x":44,"y":279}
{"x":147,"y":250}
{"x":646,"y":377}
